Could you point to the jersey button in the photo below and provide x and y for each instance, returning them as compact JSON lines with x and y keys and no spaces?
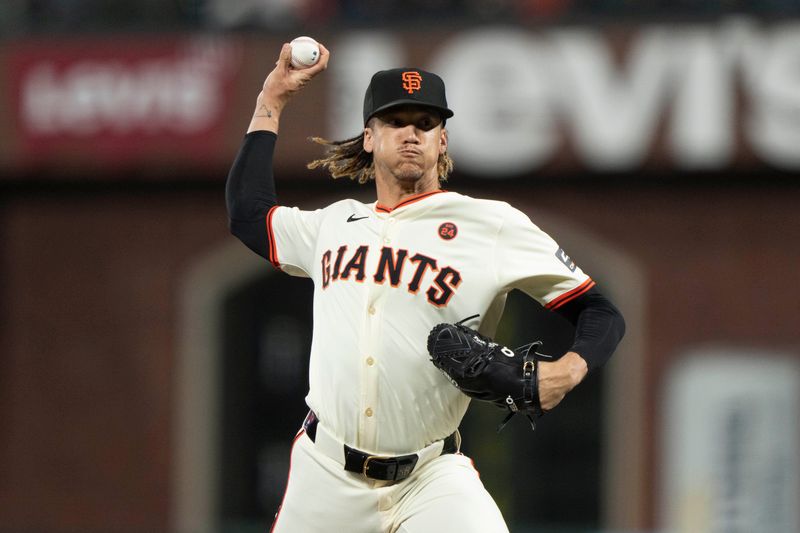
{"x":368,"y":412}
{"x":370,"y":361}
{"x":371,"y":309}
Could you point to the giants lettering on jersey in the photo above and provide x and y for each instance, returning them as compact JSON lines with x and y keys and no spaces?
{"x":391,"y":266}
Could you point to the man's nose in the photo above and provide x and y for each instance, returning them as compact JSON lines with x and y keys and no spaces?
{"x":410,"y":134}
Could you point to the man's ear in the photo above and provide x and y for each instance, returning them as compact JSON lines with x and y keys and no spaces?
{"x":443,"y":141}
{"x":369,"y":140}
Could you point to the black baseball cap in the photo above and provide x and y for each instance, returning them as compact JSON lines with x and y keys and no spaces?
{"x":401,"y":86}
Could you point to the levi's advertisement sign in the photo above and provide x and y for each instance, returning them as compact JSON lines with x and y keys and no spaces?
{"x":121,"y":102}
{"x":692,"y":97}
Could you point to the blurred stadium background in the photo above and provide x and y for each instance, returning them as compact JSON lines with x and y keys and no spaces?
{"x":150,"y":383}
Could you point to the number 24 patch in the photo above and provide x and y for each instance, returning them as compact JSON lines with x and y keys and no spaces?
{"x":448,"y":231}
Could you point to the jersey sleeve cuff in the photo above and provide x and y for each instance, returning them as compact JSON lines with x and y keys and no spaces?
{"x":570,"y":295}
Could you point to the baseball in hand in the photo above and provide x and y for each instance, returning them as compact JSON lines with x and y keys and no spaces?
{"x":305,"y":52}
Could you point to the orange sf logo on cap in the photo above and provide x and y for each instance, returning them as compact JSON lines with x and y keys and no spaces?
{"x":412,"y":81}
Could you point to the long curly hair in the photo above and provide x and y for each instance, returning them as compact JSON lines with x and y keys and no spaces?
{"x":347,"y":159}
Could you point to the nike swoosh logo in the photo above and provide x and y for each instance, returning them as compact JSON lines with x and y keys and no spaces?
{"x":353,"y":218}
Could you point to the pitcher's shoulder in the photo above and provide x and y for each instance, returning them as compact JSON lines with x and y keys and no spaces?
{"x":484,"y":206}
{"x":348,"y":205}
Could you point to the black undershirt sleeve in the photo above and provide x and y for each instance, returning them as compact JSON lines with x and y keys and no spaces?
{"x":599,"y":327}
{"x":250,"y":191}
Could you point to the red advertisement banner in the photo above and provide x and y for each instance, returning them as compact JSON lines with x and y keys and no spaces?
{"x":120,"y":102}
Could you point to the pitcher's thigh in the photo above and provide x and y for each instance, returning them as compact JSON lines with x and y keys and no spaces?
{"x":320,"y":496}
{"x":450,"y":498}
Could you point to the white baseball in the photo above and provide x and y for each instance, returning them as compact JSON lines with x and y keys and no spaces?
{"x":305,"y":52}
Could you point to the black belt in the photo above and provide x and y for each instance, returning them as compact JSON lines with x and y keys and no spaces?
{"x":378,"y":466}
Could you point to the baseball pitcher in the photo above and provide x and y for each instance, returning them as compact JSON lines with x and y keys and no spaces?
{"x":408,"y":291}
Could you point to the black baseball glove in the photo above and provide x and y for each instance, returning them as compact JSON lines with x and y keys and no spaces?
{"x":488,"y":371}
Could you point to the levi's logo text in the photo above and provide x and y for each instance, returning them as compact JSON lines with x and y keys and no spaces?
{"x":400,"y":268}
{"x":412,"y":81}
{"x":564,"y":258}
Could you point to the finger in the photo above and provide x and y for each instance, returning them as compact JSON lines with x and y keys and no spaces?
{"x":322,"y":64}
{"x":285,"y":57}
{"x":324,"y":54}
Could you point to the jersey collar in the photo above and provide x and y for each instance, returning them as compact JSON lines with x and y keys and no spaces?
{"x":380,"y":208}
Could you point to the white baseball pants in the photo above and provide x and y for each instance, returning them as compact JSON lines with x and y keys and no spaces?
{"x":443,"y":495}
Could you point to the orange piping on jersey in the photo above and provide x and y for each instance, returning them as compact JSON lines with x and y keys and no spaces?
{"x":409,"y":200}
{"x":571,"y":295}
{"x":273,"y":252}
{"x":288,"y":476}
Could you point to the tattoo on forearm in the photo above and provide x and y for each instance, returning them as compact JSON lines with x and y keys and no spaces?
{"x":263,"y":111}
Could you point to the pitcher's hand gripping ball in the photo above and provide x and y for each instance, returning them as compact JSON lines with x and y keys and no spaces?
{"x":488,"y":371}
{"x":305,"y":52}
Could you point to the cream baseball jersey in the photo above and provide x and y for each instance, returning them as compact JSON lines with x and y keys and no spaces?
{"x":383,"y":278}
